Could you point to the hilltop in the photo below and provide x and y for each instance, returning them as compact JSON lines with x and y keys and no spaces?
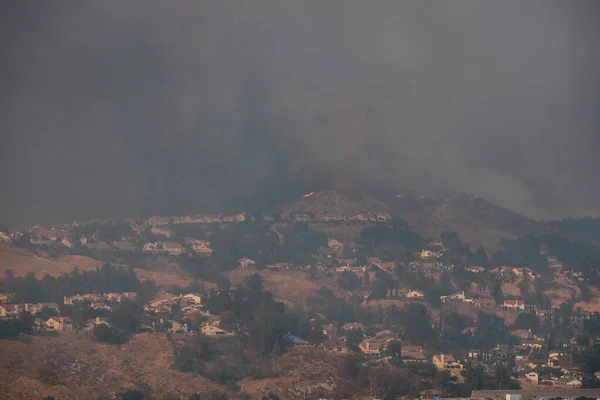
{"x":479,"y":222}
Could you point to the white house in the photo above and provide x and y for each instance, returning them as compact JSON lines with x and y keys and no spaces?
{"x":458,"y":296}
{"x":514,"y":304}
{"x":246,"y":263}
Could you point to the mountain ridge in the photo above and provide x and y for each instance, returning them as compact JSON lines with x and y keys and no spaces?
{"x":477,"y":220}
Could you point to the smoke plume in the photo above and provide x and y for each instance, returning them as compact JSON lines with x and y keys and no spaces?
{"x":151,"y":107}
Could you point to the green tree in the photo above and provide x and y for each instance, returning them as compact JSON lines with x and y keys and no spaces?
{"x":497,"y":293}
{"x":394,"y":348}
{"x":132,"y":395}
{"x":353,"y":338}
{"x":349,"y":281}
{"x":479,"y":258}
{"x":366,"y":281}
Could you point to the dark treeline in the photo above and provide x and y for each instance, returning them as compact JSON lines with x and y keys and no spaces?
{"x":585,"y":228}
{"x":29,"y":289}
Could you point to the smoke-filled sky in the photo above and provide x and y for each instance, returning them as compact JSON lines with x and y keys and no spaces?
{"x":144,"y":107}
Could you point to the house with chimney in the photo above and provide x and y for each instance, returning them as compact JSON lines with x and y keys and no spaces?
{"x":446,"y":362}
{"x":61,"y":324}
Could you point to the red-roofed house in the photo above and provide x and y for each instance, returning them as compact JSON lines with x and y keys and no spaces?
{"x":9,"y":310}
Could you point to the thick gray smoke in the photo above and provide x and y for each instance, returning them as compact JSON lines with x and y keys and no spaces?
{"x":155,"y":107}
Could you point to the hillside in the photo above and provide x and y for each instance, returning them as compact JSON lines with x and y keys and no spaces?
{"x":73,"y":366}
{"x":478,"y":221}
{"x":23,"y":261}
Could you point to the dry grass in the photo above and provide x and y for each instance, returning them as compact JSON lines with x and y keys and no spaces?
{"x":169,"y":275}
{"x":22,"y":261}
{"x":304,"y":372}
{"x":291,"y":287}
{"x":72,"y":366}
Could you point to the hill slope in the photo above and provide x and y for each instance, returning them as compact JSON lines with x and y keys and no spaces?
{"x":476,"y":220}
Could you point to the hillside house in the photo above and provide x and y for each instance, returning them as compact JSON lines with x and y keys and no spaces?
{"x":100,"y":306}
{"x":329,"y":330}
{"x":44,"y":233}
{"x":159,"y":221}
{"x":336,"y":346}
{"x":457,"y":297}
{"x":429,"y":255}
{"x":301,"y":217}
{"x":353,"y":326}
{"x":514,"y":305}
{"x":82,"y":297}
{"x":36,"y":308}
{"x":92,"y":323}
{"x":373,"y":347}
{"x":567,"y":381}
{"x":475,"y":269}
{"x":415,"y":294}
{"x":6,"y":297}
{"x":149,"y":247}
{"x":161,"y":231}
{"x":10,"y":310}
{"x":210,"y":329}
{"x":295,"y":341}
{"x":521,"y":333}
{"x":100,"y":247}
{"x":201,"y":247}
{"x":172,"y":248}
{"x":246,"y":263}
{"x":412,"y":354}
{"x":484,"y":302}
{"x":61,"y":324}
{"x":446,"y":361}
{"x":177,"y":327}
{"x":193,"y":298}
{"x":532,"y":377}
{"x":124,"y":246}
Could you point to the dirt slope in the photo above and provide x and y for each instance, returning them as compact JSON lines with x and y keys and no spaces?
{"x":72,"y":366}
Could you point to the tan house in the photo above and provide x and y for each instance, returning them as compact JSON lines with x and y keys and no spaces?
{"x":82,"y":297}
{"x":446,"y":361}
{"x":173,"y":248}
{"x":62,"y":324}
{"x":8,"y":310}
{"x":193,"y":298}
{"x":209,"y":329}
{"x":101,"y":306}
{"x":336,"y":345}
{"x":6,"y":297}
{"x":161,"y":231}
{"x":124,"y":246}
{"x":353,"y":326}
{"x":177,"y":327}
{"x":36,"y":308}
{"x":158,"y":221}
{"x":415,"y":294}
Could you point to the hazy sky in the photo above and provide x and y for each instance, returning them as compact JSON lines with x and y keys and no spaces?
{"x":168,"y":107}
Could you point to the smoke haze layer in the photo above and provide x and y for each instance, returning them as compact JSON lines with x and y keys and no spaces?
{"x":152,"y":107}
